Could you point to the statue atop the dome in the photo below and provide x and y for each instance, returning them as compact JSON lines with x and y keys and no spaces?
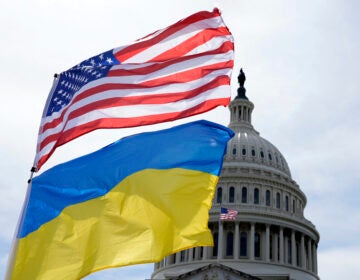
{"x":241,"y":78}
{"x":241,"y":90}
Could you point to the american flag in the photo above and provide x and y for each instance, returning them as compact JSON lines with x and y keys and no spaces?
{"x":228,"y":214}
{"x":173,"y":73}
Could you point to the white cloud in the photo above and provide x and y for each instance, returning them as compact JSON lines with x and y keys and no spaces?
{"x":339,"y":263}
{"x":301,"y":61}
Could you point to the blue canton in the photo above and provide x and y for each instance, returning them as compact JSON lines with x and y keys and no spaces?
{"x":76,"y":77}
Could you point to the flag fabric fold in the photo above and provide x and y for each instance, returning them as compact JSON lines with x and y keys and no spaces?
{"x":173,"y":73}
{"x":135,"y":201}
{"x":228,"y":214}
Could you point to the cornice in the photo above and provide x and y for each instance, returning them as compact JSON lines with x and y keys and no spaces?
{"x":271,"y":217}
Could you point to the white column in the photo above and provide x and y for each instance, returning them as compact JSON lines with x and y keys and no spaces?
{"x":205,"y":253}
{"x":314,"y":258}
{"x":168,"y":260}
{"x":221,"y":240}
{"x":310,"y":254}
{"x":252,"y":241}
{"x":177,"y":258}
{"x":302,"y":256}
{"x":197,"y":253}
{"x":236,"y":243}
{"x":267,"y":243}
{"x":190,"y":254}
{"x":281,"y":247}
{"x":293,"y":248}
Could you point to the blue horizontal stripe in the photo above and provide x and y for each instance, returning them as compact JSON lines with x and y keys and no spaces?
{"x":197,"y":146}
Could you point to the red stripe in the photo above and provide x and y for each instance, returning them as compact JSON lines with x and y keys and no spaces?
{"x":191,"y":43}
{"x":171,"y":57}
{"x":136,"y":48}
{"x":183,"y":77}
{"x":132,"y":100}
{"x":131,"y":122}
{"x":225,"y":47}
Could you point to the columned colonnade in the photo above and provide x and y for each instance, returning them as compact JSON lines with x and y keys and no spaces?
{"x":251,"y":241}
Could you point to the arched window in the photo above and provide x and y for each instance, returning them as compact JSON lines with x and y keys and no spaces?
{"x":229,"y":244}
{"x":243,"y":151}
{"x":271,"y":247}
{"x":287,"y":203}
{"x":215,"y":248}
{"x":289,"y":251}
{"x":243,"y":244}
{"x":232,"y":195}
{"x":253,"y":152}
{"x":234,"y":151}
{"x":268,"y":198}
{"x":244,"y":195}
{"x":278,"y":200}
{"x":256,"y":196}
{"x":297,"y":254}
{"x":257,"y":245}
{"x":262,"y":154}
{"x":182,"y":256}
{"x":219,"y":195}
{"x":294,"y":206}
{"x":270,"y":156}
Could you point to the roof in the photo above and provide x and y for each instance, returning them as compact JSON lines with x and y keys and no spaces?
{"x":215,"y":271}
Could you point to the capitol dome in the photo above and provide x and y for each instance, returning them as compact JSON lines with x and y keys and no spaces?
{"x":270,"y":238}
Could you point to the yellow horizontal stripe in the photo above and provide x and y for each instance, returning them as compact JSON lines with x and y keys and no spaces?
{"x":147,"y":216}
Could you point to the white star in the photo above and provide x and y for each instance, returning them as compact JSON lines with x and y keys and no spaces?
{"x":109,"y":60}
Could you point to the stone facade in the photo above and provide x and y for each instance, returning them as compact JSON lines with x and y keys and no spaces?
{"x":270,"y":238}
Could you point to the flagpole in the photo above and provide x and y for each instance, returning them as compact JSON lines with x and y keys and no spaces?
{"x":15,"y":241}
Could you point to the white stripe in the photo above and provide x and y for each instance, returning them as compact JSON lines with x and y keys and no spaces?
{"x":141,"y":110}
{"x":170,"y":88}
{"x":146,"y":110}
{"x":143,"y":39}
{"x":174,"y":40}
{"x":44,"y":151}
{"x":215,"y":43}
{"x":171,"y":69}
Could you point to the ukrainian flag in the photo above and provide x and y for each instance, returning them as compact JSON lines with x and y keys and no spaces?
{"x":135,"y":201}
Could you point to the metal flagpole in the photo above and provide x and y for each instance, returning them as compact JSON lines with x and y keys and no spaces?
{"x":15,"y":241}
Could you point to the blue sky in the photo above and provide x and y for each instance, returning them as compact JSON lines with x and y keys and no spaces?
{"x":301,"y":62}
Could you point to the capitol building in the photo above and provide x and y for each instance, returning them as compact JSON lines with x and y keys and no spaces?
{"x":270,"y":237}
